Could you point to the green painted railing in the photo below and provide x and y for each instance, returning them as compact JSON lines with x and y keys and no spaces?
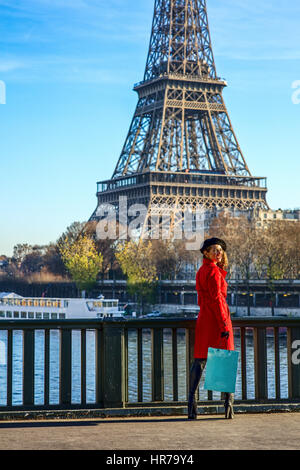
{"x":112,"y":358}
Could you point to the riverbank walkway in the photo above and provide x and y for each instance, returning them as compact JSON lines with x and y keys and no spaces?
{"x":272,"y":431}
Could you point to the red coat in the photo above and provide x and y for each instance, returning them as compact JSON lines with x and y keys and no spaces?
{"x":214,"y":316}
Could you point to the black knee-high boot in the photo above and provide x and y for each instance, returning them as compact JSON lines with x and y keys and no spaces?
{"x":195,"y":376}
{"x":229,"y":400}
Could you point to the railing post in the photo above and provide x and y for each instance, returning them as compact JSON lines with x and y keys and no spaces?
{"x":260,"y":363}
{"x":190,"y":342}
{"x":99,"y":366}
{"x":293,"y":343}
{"x":157,"y":365}
{"x":65,"y":366}
{"x":113,"y":376}
{"x":28,"y":368}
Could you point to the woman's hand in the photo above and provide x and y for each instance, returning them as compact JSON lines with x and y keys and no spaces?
{"x":225,"y":334}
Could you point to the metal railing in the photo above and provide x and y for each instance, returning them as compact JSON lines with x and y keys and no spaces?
{"x":113,"y":355}
{"x":180,"y":76}
{"x":193,"y":177}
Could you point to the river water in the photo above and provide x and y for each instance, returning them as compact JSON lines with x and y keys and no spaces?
{"x":132,"y":367}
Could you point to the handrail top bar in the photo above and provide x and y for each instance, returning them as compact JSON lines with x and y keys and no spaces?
{"x":191,"y":172}
{"x":173,"y":322}
{"x":180,"y":77}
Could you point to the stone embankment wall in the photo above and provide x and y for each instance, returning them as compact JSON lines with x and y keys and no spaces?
{"x":238,"y":311}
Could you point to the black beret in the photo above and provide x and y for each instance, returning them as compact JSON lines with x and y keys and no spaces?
{"x":213,"y":241}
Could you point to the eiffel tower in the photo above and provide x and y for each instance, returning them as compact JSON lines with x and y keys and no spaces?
{"x":181,"y":149}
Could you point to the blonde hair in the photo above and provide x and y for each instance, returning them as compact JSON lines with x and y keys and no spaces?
{"x":224,"y":263}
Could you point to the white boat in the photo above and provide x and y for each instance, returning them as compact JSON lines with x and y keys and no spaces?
{"x":15,"y":307}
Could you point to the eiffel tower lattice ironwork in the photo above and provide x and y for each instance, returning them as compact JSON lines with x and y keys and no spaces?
{"x":181,"y":148}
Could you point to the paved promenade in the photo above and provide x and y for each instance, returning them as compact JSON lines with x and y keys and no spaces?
{"x":246,"y":431}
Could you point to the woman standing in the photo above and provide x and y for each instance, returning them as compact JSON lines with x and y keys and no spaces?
{"x":214,"y":328}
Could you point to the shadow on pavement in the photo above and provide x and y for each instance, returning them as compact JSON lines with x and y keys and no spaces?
{"x":96,"y":422}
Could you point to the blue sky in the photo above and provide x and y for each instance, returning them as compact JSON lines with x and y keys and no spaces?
{"x":69,"y":67}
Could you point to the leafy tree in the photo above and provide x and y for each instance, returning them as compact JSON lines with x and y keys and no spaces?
{"x":171,"y":256}
{"x":72,"y":232}
{"x":32,"y":263}
{"x":21,"y":251}
{"x":136,"y":261}
{"x":107,"y":247}
{"x":272,"y":254}
{"x":81,"y":260}
{"x":53,"y":262}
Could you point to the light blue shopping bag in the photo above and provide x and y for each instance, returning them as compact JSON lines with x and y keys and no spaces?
{"x":221,"y":370}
